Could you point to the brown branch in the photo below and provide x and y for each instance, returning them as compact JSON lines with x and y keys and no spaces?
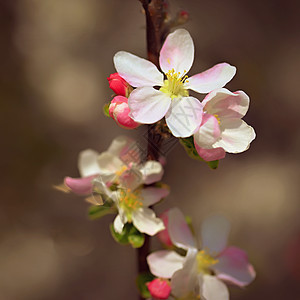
{"x":156,"y":31}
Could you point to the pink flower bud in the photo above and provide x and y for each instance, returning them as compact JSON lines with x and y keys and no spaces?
{"x":159,"y":288}
{"x":119,"y":111}
{"x":163,"y":235}
{"x":118,"y":84}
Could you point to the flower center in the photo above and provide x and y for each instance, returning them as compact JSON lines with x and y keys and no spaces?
{"x":218,"y":118}
{"x":174,"y":85}
{"x":130,"y":201}
{"x":205,"y":261}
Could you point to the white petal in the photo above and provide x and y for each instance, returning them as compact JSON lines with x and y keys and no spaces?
{"x":208,"y":133}
{"x":145,"y":221}
{"x":131,"y":178}
{"x":152,"y":171}
{"x":177,"y":52}
{"x":109,"y":163}
{"x":118,"y":224}
{"x":214,"y":234}
{"x":179,"y":231}
{"x":233,"y":266}
{"x":99,"y":186}
{"x":137,"y":71}
{"x":152,"y":195}
{"x":185,"y":281}
{"x":148,"y":105}
{"x":236,"y":136}
{"x":87,"y":163}
{"x":226,"y":104}
{"x":213,"y":289}
{"x":164,"y":263}
{"x":211,"y":79}
{"x":184,"y":116}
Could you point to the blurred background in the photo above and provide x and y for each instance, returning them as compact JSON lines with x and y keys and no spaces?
{"x":55,"y":57}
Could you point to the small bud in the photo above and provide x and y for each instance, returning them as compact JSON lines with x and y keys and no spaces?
{"x":119,"y":111}
{"x":183,"y":17}
{"x":118,"y":84}
{"x":163,"y":235}
{"x":159,"y":288}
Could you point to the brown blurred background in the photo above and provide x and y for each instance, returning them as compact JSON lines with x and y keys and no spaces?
{"x":55,"y":57}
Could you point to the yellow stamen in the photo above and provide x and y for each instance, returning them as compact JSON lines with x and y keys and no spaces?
{"x":205,"y":261}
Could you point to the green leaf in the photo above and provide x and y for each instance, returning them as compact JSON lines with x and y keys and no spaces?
{"x":122,"y":237}
{"x":136,"y":238}
{"x":106,"y":110}
{"x":129,"y":235}
{"x":189,"y":146}
{"x":98,"y":211}
{"x":213,"y":164}
{"x":141,"y":281}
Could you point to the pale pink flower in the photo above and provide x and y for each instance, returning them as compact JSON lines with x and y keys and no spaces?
{"x":201,"y":272}
{"x":121,"y":155}
{"x":148,"y":105}
{"x":222,"y":129}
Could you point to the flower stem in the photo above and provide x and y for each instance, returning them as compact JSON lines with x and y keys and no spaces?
{"x":156,"y":31}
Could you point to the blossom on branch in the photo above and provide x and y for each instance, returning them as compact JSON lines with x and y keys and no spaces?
{"x":222,"y":129}
{"x":121,"y":155}
{"x":148,"y":105}
{"x":201,"y":272}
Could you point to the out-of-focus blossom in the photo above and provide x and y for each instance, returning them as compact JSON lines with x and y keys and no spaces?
{"x":201,"y":272}
{"x":222,"y":129}
{"x":159,"y":288}
{"x":119,"y":111}
{"x":118,"y":85}
{"x":133,"y":200}
{"x":148,"y":105}
{"x":121,"y":155}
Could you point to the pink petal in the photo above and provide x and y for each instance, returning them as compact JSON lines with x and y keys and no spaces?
{"x":211,"y":79}
{"x":210,"y":154}
{"x":148,"y":105}
{"x":177,"y":52}
{"x":234,"y":267}
{"x":179,"y":231}
{"x":163,"y":235}
{"x":208,"y":132}
{"x":152,"y":195}
{"x":80,"y":186}
{"x":137,"y":71}
{"x":214,"y":234}
{"x":184,"y":116}
{"x":226,"y":104}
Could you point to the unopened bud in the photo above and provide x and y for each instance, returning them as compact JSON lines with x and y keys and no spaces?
{"x":159,"y":288}
{"x":118,"y":84}
{"x":119,"y":111}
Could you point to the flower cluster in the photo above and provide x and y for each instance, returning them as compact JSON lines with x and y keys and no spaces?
{"x":109,"y":177}
{"x":119,"y":181}
{"x":215,"y":122}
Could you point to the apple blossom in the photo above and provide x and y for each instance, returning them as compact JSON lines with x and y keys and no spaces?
{"x":118,"y":85}
{"x":132,"y":200}
{"x":119,"y":111}
{"x":201,"y":272}
{"x":109,"y":165}
{"x":148,"y":105}
{"x":222,"y":129}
